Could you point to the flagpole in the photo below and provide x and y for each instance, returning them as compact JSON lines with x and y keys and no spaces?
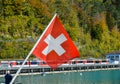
{"x":31,"y":51}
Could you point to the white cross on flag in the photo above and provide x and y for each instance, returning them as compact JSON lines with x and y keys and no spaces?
{"x":55,"y":46}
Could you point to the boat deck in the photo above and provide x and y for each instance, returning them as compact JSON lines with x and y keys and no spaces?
{"x":67,"y":68}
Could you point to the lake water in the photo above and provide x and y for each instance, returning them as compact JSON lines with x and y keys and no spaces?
{"x":84,"y":77}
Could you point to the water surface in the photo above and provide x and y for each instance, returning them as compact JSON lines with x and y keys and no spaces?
{"x":85,"y":77}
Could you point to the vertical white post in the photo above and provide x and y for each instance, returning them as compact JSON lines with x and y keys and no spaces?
{"x":32,"y":50}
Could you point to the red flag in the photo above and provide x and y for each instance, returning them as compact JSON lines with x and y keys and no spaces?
{"x":55,"y":46}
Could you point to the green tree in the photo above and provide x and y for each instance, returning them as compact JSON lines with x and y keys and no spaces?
{"x":96,"y":32}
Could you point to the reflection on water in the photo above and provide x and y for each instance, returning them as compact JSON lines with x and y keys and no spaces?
{"x":87,"y":77}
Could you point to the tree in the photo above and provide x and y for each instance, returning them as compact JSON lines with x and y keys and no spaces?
{"x":96,"y":32}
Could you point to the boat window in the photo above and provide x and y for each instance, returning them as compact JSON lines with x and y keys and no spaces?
{"x":108,"y":57}
{"x":104,"y":60}
{"x":117,"y":58}
{"x":97,"y":61}
{"x":73,"y":62}
{"x":112,"y":58}
{"x":43,"y":62}
{"x":80,"y":61}
{"x":34,"y":63}
{"x":20,"y":63}
{"x":90,"y":61}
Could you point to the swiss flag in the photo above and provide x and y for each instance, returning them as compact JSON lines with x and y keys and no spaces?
{"x":55,"y":46}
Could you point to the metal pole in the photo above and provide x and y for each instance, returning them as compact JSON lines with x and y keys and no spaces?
{"x":32,"y":50}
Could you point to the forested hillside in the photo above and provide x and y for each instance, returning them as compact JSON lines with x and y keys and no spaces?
{"x":93,"y":25}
